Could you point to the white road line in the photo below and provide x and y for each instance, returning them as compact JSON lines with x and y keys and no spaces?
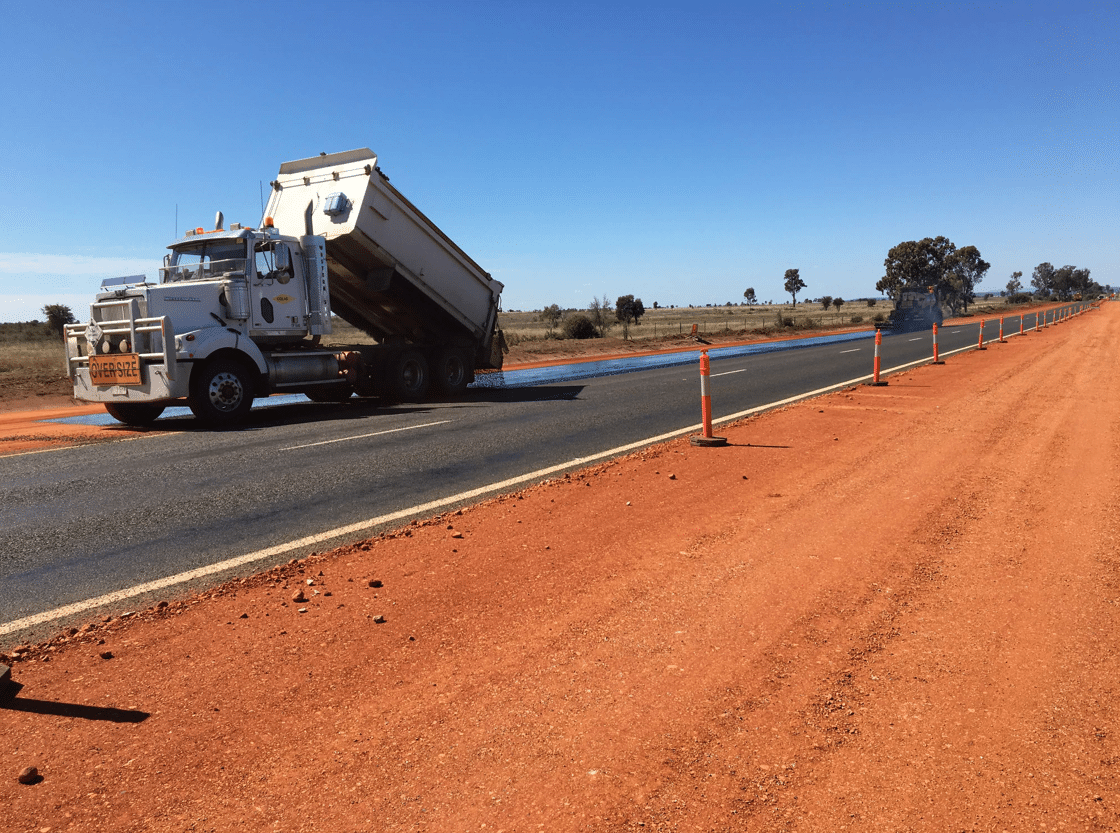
{"x":364,"y":436}
{"x":729,"y":372}
{"x":86,"y":445}
{"x":853,"y":350}
{"x":361,"y":526}
{"x":919,"y":338}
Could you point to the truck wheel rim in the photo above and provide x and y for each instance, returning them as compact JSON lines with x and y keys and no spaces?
{"x":455,"y":371}
{"x":226,"y":392}
{"x":412,"y":374}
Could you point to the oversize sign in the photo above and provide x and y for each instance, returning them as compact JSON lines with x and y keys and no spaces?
{"x":121,"y":369}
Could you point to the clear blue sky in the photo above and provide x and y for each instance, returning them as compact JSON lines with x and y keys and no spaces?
{"x":677,"y":151}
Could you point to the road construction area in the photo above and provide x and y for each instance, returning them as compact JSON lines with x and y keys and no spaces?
{"x":884,"y":609}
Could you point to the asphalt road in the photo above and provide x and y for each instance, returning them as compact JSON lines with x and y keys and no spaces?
{"x":82,"y":522}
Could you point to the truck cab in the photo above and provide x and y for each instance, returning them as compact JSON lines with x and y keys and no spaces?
{"x":239,"y":313}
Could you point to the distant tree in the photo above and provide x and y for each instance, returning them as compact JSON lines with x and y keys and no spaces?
{"x":871,"y":302}
{"x":917,"y":265}
{"x":1070,"y":281}
{"x":750,"y":297}
{"x":914,"y":264}
{"x":826,"y":301}
{"x":964,"y":271}
{"x":628,"y":310}
{"x":655,"y":305}
{"x":1042,"y":279}
{"x":793,"y":283}
{"x":58,"y":316}
{"x":1015,"y":285}
{"x":551,"y":316}
{"x":838,"y":302}
{"x":601,"y":313}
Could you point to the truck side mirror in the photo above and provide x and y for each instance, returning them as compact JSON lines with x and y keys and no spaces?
{"x":283,"y":263}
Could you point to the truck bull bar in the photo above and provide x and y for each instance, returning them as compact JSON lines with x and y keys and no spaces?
{"x":130,"y":327}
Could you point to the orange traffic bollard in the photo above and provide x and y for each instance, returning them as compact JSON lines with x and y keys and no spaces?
{"x":706,"y":405}
{"x":936,"y":358}
{"x":1001,"y":339}
{"x":980,"y":345}
{"x":1020,"y":325}
{"x":878,"y":343}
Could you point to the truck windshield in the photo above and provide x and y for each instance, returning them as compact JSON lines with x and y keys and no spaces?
{"x":205,"y":260}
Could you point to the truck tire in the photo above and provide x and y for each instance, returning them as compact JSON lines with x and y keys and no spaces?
{"x":450,"y":372}
{"x":408,"y":376}
{"x":134,"y":413}
{"x":221,"y":392}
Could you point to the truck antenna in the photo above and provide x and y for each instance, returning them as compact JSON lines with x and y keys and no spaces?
{"x":260,"y":182}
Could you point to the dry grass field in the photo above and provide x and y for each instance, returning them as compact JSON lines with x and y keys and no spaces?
{"x":32,"y":361}
{"x":761,"y":319}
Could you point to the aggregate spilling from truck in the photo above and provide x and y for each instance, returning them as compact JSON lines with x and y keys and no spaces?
{"x":240,"y":313}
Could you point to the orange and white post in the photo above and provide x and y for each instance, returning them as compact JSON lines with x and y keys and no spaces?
{"x":706,"y":392}
{"x":706,"y":439}
{"x":878,"y":345}
{"x":1001,"y":339}
{"x":1020,"y":324}
{"x":980,"y":345}
{"x":936,"y":357}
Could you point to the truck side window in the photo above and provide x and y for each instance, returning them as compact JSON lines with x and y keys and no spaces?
{"x":273,"y":261}
{"x":264,"y":259}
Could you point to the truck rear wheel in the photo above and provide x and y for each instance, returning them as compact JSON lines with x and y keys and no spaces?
{"x":221,"y":392}
{"x":450,"y":374}
{"x":134,"y":413}
{"x":408,"y":376}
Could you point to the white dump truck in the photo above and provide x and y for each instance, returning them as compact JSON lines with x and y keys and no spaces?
{"x":240,"y":313}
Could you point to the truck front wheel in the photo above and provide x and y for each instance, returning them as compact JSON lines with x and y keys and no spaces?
{"x":408,"y":377}
{"x":134,"y":413}
{"x":221,"y":392}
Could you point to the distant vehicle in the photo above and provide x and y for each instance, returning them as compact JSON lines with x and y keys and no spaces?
{"x":239,"y":313}
{"x":916,"y":309}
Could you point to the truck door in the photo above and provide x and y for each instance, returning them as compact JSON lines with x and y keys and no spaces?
{"x":280,"y":292}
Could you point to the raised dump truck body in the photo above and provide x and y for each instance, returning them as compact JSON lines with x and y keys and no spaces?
{"x":393,"y":273}
{"x":241,"y":312}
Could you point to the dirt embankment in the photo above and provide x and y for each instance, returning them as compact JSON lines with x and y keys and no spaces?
{"x":886,"y":609}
